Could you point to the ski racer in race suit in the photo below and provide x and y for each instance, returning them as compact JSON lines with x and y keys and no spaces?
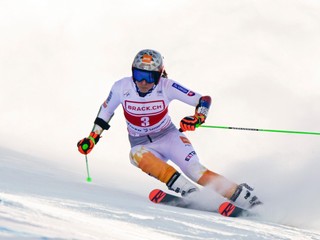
{"x":145,"y":97}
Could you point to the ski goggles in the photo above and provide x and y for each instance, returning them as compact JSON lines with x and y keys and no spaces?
{"x":149,"y":76}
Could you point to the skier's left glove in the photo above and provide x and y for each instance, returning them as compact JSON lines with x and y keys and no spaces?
{"x":86,"y":145}
{"x":190,"y":123}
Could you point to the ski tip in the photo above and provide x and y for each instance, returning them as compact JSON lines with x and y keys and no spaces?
{"x":156,"y":195}
{"x":227,"y":209}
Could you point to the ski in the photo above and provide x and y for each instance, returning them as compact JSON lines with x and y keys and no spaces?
{"x":226,"y":209}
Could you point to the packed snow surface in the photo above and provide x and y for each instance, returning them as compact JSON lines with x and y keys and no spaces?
{"x":40,"y":201}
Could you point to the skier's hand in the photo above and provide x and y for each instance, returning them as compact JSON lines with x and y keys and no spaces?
{"x":86,"y":145}
{"x":190,"y":123}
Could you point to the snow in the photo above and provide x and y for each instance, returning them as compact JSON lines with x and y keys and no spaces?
{"x":258,"y":60}
{"x":42,"y":201}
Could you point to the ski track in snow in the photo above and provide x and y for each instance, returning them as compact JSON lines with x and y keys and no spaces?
{"x":38,"y":203}
{"x":39,"y":217}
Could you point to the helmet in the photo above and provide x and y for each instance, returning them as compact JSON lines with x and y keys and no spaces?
{"x":149,"y":60}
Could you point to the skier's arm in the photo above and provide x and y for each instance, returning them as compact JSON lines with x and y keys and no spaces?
{"x":190,"y":123}
{"x":101,"y":123}
{"x":202,"y":104}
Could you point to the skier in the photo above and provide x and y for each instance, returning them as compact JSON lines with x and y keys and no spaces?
{"x":145,"y":97}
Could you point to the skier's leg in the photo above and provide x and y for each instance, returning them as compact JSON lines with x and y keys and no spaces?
{"x":187,"y":160}
{"x":242,"y":195}
{"x":149,"y":163}
{"x":221,"y":185}
{"x":184,"y":156}
{"x":205,"y":177}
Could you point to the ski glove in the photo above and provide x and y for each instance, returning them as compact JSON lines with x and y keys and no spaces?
{"x":86,"y":145}
{"x":190,"y":123}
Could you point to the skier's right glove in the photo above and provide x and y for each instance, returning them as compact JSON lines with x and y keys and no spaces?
{"x":86,"y":145}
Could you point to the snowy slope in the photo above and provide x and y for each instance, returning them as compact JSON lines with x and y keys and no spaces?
{"x":259,"y":60}
{"x":41,"y":201}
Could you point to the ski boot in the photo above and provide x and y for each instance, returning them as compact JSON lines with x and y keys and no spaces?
{"x":181,"y":184}
{"x":245,"y":197}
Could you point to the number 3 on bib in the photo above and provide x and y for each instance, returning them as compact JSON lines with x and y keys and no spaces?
{"x":145,"y":121}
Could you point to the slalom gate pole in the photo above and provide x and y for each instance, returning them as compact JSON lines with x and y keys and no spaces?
{"x":89,"y":179}
{"x":260,"y":130}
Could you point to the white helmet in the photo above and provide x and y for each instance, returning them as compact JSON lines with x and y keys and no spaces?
{"x":149,"y":60}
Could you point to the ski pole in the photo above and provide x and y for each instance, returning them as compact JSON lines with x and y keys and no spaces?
{"x":89,"y":179}
{"x":261,"y":130}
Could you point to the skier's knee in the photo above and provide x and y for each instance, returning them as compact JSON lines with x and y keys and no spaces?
{"x":194,"y":171}
{"x":150,"y":164}
{"x":136,"y":155}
